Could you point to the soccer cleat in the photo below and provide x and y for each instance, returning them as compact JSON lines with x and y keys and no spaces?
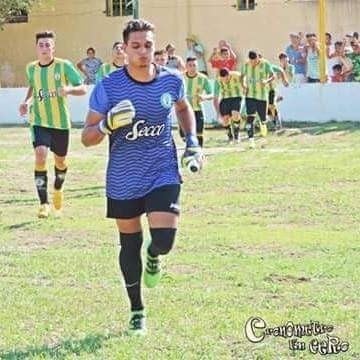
{"x":152,"y":274}
{"x":43,"y":211}
{"x":263,"y":129}
{"x":58,"y":198}
{"x":252,"y":143}
{"x":137,"y":324}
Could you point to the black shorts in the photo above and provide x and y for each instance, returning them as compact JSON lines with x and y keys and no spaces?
{"x":228,"y":105}
{"x":55,"y":139}
{"x":254,"y":106}
{"x":164,"y":199}
{"x":199,"y":117}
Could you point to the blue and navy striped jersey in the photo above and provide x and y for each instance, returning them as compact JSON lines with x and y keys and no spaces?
{"x":142,"y":155}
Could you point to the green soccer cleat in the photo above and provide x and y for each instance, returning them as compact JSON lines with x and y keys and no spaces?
{"x":137,"y":324}
{"x":152,"y":273}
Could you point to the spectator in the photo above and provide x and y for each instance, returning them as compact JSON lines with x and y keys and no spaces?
{"x":288,"y":68}
{"x":161,"y":57}
{"x":338,"y":58}
{"x":337,"y":73}
{"x":355,"y":61}
{"x":312,"y":52}
{"x":223,"y":57}
{"x":295,"y":53}
{"x":195,"y":49}
{"x":347,"y":40}
{"x":89,"y":66}
{"x":174,"y":61}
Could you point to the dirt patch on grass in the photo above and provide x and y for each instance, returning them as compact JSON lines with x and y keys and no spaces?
{"x":286,"y":278}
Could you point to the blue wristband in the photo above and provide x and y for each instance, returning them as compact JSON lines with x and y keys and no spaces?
{"x":191,"y":140}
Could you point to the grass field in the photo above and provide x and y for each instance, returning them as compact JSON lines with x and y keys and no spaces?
{"x":272,"y":233}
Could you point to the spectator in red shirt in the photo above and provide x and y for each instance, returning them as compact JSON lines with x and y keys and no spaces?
{"x":338,"y":75}
{"x":223,"y":57}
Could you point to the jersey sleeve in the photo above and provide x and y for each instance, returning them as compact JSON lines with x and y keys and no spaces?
{"x":72,"y":74}
{"x":276,"y":69}
{"x":99,"y":101}
{"x":217,"y":88}
{"x":269,"y":69}
{"x":28,"y":75}
{"x":207,"y":86}
{"x":180,"y":91}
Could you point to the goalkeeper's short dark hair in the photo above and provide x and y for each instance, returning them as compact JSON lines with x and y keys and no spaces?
{"x":136,"y":25}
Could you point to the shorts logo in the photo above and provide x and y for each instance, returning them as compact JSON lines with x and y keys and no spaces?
{"x":57,"y":76}
{"x":166,"y":100}
{"x":174,"y":206}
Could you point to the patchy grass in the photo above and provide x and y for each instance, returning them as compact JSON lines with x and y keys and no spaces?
{"x":272,"y":233}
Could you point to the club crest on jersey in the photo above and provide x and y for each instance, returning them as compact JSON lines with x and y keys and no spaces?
{"x":57,"y":76}
{"x":166,"y":100}
{"x":139,"y":130}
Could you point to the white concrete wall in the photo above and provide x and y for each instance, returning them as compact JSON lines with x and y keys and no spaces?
{"x":306,"y":102}
{"x":321,"y":102}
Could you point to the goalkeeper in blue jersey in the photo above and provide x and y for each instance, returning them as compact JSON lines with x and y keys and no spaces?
{"x":133,"y":107}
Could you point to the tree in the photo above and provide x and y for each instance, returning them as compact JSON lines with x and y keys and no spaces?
{"x":10,"y":8}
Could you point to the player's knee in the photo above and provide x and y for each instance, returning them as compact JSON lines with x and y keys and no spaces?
{"x":40,"y":155}
{"x":250,"y":118}
{"x":162,"y":240}
{"x":60,"y":164}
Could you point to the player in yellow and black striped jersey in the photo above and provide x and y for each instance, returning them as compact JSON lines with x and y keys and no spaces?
{"x":118,"y":60}
{"x":50,"y":81}
{"x":198,"y":89}
{"x":228,"y":88}
{"x":256,"y":75}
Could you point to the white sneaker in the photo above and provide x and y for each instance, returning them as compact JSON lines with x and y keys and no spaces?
{"x":252,"y":143}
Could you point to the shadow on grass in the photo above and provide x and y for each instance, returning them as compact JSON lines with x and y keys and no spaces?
{"x":324,"y":128}
{"x":19,"y":225}
{"x":90,"y":344}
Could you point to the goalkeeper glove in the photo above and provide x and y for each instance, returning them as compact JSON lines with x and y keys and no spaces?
{"x":193,"y":156}
{"x":118,"y":116}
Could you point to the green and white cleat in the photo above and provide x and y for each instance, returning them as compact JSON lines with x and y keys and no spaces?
{"x":152,"y":274}
{"x":137,"y":324}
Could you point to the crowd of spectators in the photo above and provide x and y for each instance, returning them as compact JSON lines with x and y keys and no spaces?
{"x":300,"y":59}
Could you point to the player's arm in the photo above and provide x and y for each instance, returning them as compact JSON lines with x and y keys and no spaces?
{"x":77,"y":88}
{"x":91,"y":134}
{"x":207,"y":92}
{"x":103,"y":118}
{"x":271,"y":75}
{"x":23,"y":108}
{"x":186,"y":117}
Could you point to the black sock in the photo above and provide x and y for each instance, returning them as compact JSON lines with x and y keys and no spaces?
{"x":131,"y":267}
{"x":59,"y":178}
{"x":229,"y":132}
{"x":41,"y":186}
{"x":201,"y":141}
{"x":236,"y":130}
{"x":250,"y":128}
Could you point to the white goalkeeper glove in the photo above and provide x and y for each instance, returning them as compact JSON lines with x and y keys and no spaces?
{"x":193,"y":157}
{"x":120,"y":115}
